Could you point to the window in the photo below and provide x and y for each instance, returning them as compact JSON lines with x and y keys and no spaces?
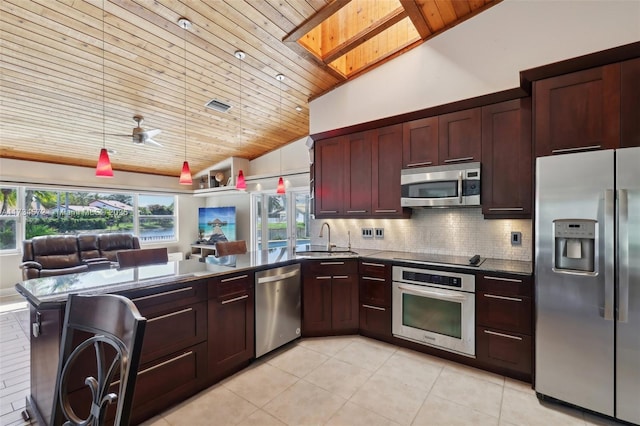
{"x":47,"y":212}
{"x":77,"y":212}
{"x":286,"y":218}
{"x":156,"y":218}
{"x":9,"y":218}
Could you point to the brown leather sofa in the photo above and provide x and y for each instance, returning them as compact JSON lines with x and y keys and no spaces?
{"x":68,"y":254}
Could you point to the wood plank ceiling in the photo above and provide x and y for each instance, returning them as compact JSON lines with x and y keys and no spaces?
{"x":70,"y":73}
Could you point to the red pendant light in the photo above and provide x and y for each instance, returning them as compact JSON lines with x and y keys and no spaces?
{"x":103,"y":168}
{"x":185,"y":175}
{"x":241,"y":184}
{"x":281,"y":189}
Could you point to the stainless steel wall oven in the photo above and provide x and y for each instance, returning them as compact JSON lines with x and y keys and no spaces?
{"x":435,"y":308}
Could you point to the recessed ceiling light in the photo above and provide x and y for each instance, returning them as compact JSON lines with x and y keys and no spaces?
{"x":298,"y":108}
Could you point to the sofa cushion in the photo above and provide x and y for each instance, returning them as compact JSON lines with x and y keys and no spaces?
{"x":110,"y":244}
{"x":88,"y":245}
{"x":56,"y":251}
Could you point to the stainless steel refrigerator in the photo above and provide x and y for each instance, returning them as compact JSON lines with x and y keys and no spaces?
{"x":587,"y":272}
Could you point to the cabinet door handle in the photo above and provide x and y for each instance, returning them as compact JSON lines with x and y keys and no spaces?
{"x":508,"y":336}
{"x":386,"y":211}
{"x":453,"y":160}
{"x":379,"y":265}
{"x":373,"y":307}
{"x":511,"y":280}
{"x":328,"y":211}
{"x":424,"y":163}
{"x":582,"y":148}
{"x":356,"y":211}
{"x":332,"y":263}
{"x":506,"y":209}
{"x":171,"y":314}
{"x":164,"y":293}
{"x":235,"y":299}
{"x":239,"y":277}
{"x":323,"y":278}
{"x":373,"y":279}
{"x":494,"y":296}
{"x":340,"y":277}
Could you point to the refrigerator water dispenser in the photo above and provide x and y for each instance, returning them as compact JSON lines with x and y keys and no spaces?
{"x":574,"y":245}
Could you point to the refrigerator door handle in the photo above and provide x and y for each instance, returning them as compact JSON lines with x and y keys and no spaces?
{"x":609,"y":260}
{"x":623,"y":256}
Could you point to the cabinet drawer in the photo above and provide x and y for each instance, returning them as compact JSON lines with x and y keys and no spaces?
{"x":171,"y":330}
{"x":331,"y":267}
{"x":511,"y":351}
{"x":159,"y":384}
{"x":152,"y":299}
{"x":504,"y":312}
{"x":375,"y":291}
{"x":374,"y":269}
{"x":504,"y":284}
{"x":229,"y":287}
{"x":375,"y":320}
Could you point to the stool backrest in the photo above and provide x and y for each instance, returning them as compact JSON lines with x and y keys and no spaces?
{"x":227,"y":248}
{"x":141,"y":257}
{"x":99,"y":356}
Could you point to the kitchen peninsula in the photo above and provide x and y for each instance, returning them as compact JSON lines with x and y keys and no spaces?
{"x":201,"y":322}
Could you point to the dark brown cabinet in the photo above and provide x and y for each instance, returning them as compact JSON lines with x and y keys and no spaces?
{"x":329,"y":297}
{"x":420,"y":143}
{"x":459,"y":138}
{"x":357,"y":188}
{"x":578,"y":111}
{"x":507,"y":167}
{"x":329,"y":174}
{"x":630,"y":103}
{"x":386,"y":168}
{"x":375,"y":299}
{"x":504,"y":327}
{"x":369,"y":164}
{"x":231,"y":324}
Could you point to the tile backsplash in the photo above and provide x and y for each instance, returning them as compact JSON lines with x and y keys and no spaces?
{"x":461,"y":232}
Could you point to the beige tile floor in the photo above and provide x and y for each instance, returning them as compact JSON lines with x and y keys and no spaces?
{"x":353,"y":380}
{"x":347,"y":381}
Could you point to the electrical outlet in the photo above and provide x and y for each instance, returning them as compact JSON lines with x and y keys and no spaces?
{"x":367,"y":232}
{"x":379,"y":233}
{"x":516,"y":238}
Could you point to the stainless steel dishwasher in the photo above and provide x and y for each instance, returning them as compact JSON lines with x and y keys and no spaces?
{"x":278,"y":307}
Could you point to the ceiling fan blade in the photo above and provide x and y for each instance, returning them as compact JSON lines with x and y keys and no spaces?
{"x":152,"y":142}
{"x":117,"y":134}
{"x":153,"y":132}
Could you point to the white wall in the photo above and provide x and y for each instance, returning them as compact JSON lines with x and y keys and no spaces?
{"x":480,"y":56}
{"x":17,"y":172}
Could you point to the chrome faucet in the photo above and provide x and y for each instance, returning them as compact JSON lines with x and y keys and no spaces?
{"x":329,"y":245}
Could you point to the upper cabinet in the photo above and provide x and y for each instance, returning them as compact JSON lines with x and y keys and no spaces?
{"x":386,"y":167}
{"x":358,"y":175}
{"x":330,"y":172}
{"x":630,"y":103}
{"x":420,"y":143}
{"x":578,"y":111}
{"x":459,"y":136}
{"x":507,"y":167}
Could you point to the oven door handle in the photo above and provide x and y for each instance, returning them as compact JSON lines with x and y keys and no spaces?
{"x":436,"y":294}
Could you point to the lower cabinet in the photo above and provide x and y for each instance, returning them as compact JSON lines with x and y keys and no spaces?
{"x":231,"y":340}
{"x":329,"y":297}
{"x":375,"y":299}
{"x":504,"y":324}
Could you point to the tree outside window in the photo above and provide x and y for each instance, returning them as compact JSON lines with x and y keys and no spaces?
{"x":9,"y":218}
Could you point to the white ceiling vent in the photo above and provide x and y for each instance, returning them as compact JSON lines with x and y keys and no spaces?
{"x":218,"y":105}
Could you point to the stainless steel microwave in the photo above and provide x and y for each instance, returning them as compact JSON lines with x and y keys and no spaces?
{"x":441,"y":186}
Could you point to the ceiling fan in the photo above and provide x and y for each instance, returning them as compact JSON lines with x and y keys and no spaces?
{"x":141,"y":136}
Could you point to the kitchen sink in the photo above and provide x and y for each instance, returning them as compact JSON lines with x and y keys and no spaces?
{"x":326,"y":253}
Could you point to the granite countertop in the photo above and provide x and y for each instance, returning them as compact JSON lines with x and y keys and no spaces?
{"x":55,"y":289}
